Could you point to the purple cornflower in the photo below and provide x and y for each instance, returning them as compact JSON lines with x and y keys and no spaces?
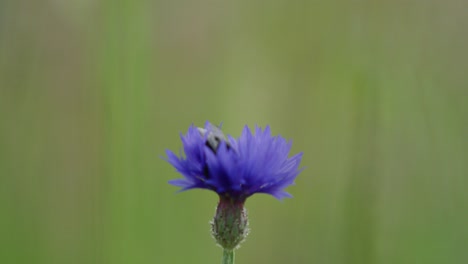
{"x":235,"y":168}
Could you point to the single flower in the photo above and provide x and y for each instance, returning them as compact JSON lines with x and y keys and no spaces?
{"x":235,"y":169}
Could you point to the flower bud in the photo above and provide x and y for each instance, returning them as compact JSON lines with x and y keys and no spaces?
{"x":230,"y":223}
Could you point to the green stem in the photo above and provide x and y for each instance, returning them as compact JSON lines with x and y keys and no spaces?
{"x":228,"y":256}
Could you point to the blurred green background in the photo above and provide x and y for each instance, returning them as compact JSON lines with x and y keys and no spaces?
{"x":373,"y":92}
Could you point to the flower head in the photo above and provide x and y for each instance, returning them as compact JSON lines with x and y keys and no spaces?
{"x":235,"y":168}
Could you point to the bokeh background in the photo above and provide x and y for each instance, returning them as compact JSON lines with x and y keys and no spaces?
{"x":373,"y":92}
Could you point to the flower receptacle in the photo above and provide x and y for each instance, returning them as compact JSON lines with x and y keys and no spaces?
{"x":230,"y":223}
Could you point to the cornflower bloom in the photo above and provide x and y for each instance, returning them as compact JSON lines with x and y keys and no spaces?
{"x":235,"y":169}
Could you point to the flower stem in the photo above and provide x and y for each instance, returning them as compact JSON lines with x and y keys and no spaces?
{"x":228,"y":256}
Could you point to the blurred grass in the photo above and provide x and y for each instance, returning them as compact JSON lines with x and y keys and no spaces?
{"x":374,"y":94}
